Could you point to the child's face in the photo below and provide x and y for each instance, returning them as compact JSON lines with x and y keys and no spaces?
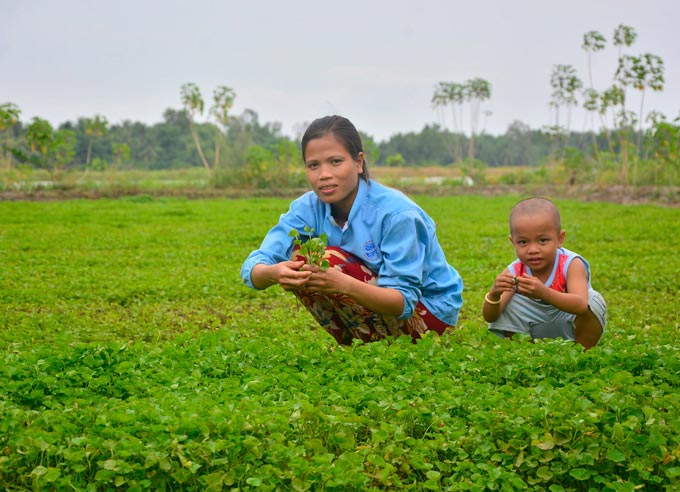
{"x":536,"y":239}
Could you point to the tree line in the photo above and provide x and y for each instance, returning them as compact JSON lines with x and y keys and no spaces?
{"x":91,"y":143}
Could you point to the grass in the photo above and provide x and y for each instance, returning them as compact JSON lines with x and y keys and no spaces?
{"x":134,"y":358}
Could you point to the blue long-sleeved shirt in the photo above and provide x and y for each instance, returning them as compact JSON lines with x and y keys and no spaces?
{"x":388,"y":231}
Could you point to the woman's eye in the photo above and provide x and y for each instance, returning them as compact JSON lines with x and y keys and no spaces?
{"x":312,"y":165}
{"x":335,"y":162}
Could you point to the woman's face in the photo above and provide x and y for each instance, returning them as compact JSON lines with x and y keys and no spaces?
{"x":333,"y":173}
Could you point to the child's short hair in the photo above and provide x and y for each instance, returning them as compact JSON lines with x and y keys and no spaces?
{"x":536,"y":205}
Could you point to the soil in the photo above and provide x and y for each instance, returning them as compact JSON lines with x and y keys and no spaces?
{"x":665,"y":196}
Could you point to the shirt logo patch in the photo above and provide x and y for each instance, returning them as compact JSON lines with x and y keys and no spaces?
{"x":370,"y":251}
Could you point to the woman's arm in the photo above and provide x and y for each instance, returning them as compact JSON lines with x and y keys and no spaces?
{"x":272,"y":258}
{"x":403,"y":246}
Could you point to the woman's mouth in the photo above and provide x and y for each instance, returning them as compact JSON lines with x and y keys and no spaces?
{"x":327,"y":189}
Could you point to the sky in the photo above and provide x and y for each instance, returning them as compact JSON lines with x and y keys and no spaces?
{"x":376,"y":62}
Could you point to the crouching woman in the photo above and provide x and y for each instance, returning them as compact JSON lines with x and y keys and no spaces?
{"x":388,"y":274}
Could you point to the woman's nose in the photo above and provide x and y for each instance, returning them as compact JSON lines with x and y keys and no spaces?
{"x":325,"y":171}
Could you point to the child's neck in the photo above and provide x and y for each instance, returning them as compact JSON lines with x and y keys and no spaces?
{"x":542,"y":276}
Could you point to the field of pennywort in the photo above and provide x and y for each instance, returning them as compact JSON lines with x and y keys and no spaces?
{"x":134,"y":359}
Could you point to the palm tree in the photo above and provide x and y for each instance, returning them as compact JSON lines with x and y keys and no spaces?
{"x":624,"y":36}
{"x":565,"y":84}
{"x":648,"y":72}
{"x":94,"y":127}
{"x":193,"y":104}
{"x":593,"y":42}
{"x":9,"y":115}
{"x":223,"y":100}
{"x":476,"y":91}
{"x":449,"y":94}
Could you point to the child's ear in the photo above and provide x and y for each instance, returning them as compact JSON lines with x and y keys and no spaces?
{"x":560,"y":241}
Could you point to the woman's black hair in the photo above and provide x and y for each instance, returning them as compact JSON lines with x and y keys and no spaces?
{"x":342,"y":129}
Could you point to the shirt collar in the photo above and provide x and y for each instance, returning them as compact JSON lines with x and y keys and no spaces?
{"x":356,"y":206}
{"x":359,"y":199}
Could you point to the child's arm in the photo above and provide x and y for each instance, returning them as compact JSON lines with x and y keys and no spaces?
{"x":574,"y":301}
{"x":498,"y":296}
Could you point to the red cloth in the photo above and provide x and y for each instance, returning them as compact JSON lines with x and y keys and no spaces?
{"x":345,"y":319}
{"x":559,"y":282}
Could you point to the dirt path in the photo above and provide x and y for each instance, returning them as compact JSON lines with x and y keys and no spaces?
{"x":666,"y":196}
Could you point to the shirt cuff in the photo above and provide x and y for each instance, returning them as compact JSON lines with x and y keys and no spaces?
{"x":247,"y":268}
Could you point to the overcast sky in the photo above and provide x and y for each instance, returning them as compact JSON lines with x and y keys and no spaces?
{"x":376,"y":62}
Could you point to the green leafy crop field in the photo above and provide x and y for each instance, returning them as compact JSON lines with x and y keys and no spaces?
{"x":134,"y":359}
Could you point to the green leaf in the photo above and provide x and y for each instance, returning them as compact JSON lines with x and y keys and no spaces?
{"x":545,"y":444}
{"x":615,"y":455}
{"x":580,"y":473}
{"x":433,"y":475}
{"x":544,"y":473}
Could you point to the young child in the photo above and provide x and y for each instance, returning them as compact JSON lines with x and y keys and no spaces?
{"x":546,"y":291}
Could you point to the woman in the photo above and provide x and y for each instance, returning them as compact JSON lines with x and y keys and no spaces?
{"x":389,"y":275}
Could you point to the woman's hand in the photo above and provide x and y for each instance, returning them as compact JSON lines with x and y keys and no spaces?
{"x":381,"y":300}
{"x":287,"y":274}
{"x":328,"y":281}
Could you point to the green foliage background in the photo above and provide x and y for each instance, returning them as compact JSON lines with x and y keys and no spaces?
{"x":168,"y":145}
{"x":133,"y":358}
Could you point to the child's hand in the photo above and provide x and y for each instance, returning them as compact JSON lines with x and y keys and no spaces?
{"x":503,"y":283}
{"x":530,"y":287}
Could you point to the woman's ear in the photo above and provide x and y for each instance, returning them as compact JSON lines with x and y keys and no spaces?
{"x":360,"y":162}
